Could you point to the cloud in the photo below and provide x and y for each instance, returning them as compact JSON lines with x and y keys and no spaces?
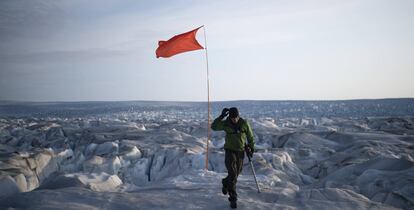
{"x":270,"y":37}
{"x":29,"y":19}
{"x":85,"y":55}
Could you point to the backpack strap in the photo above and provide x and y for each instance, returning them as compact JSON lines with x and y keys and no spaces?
{"x":237,"y":128}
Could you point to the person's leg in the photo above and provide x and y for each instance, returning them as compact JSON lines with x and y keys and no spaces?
{"x":237,"y":166}
{"x":230,"y":181}
{"x":227,"y":162}
{"x":240,"y":159}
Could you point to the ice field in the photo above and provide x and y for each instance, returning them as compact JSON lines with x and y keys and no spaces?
{"x":150,"y":155}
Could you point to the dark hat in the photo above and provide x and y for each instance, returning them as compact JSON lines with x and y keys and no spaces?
{"x":233,"y":112}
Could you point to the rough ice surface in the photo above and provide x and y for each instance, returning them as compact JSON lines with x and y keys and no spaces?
{"x":151,"y":155}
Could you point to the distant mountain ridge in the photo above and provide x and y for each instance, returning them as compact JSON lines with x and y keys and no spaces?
{"x":161,"y":101}
{"x":256,"y":108}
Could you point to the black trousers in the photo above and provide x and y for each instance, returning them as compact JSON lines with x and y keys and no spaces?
{"x":234,"y":165}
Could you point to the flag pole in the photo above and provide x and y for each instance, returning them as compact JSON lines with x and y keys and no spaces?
{"x":208,"y":100}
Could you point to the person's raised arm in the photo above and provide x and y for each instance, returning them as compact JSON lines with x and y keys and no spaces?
{"x":218,"y":123}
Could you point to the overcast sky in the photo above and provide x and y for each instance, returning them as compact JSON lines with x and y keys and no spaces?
{"x":75,"y":50}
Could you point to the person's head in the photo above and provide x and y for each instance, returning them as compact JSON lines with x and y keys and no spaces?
{"x":234,"y":114}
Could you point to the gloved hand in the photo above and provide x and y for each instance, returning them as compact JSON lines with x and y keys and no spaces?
{"x":224,"y":113}
{"x":249,"y":151}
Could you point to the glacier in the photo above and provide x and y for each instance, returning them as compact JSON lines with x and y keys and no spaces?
{"x":355,"y":154}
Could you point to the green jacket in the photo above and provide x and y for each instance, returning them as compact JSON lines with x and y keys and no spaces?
{"x":236,"y":135}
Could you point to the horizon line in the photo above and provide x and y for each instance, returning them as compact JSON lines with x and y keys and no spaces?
{"x":216,"y":101}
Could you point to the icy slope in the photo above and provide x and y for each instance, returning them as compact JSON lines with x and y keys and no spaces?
{"x":195,"y":190}
{"x":154,"y":160}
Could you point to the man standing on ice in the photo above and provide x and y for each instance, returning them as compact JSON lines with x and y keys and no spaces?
{"x":238,"y":131}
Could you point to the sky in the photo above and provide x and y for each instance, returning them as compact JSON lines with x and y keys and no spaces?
{"x":104,"y":50}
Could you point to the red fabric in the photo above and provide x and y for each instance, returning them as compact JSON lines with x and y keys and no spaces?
{"x":178,"y":44}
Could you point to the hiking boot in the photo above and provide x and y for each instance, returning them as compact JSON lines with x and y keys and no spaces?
{"x":233,"y":204}
{"x":224,"y":190}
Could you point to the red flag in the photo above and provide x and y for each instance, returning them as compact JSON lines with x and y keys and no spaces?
{"x":178,"y":44}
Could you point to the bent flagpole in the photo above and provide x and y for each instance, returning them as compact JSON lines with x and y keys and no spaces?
{"x":208,"y":99}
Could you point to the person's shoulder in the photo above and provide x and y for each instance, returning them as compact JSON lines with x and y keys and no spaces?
{"x":244,"y":121}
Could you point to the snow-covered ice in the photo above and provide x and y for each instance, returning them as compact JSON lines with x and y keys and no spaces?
{"x":311,"y":155}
